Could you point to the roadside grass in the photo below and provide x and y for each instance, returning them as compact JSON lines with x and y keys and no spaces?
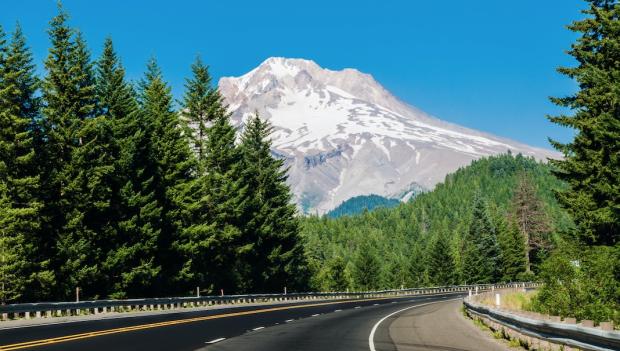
{"x":513,"y":300}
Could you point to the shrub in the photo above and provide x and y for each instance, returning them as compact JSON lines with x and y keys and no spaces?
{"x":584,"y":287}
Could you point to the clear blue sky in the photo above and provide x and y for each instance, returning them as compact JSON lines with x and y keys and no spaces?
{"x":485,"y":64}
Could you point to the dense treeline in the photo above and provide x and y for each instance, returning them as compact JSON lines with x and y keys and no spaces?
{"x":105,"y":185}
{"x":499,"y":227}
{"x":359,"y":204}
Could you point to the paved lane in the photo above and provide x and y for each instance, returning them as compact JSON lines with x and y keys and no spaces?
{"x":347,"y":330}
{"x":193,"y":330}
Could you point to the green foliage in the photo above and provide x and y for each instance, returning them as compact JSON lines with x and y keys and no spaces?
{"x":591,"y":163}
{"x":584,"y":285}
{"x":512,"y":244}
{"x":366,"y":271}
{"x":441,"y":267}
{"x":270,"y":242}
{"x":358,"y":204}
{"x":100,"y":189}
{"x":405,"y":235}
{"x":583,"y":280}
{"x":332,"y":276}
{"x":481,"y":250}
{"x":202,"y":103}
{"x":19,"y":181}
{"x":170,"y":166}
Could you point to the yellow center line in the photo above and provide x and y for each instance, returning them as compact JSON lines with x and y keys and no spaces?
{"x":43,"y":342}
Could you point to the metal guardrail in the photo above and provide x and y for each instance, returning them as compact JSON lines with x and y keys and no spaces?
{"x":52,"y":309}
{"x":573,"y":335}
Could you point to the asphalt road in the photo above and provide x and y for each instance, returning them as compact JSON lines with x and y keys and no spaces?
{"x":333,"y":325}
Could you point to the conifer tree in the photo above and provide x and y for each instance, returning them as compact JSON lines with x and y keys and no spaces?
{"x":441,"y":267}
{"x":417,"y":265}
{"x":591,"y":163}
{"x":512,"y":244}
{"x":61,"y":119}
{"x":366,"y":272}
{"x":482,"y":253}
{"x":130,"y":261}
{"x":530,"y":218}
{"x":19,"y":181}
{"x":211,"y":243}
{"x":271,"y":228}
{"x":84,"y":240}
{"x":172,"y":167}
{"x":202,"y":103}
{"x":332,"y":276}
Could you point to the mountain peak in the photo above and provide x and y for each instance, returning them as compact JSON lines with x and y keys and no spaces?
{"x":342,"y":134}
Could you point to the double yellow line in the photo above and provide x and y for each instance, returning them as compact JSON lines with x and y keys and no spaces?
{"x":44,"y":342}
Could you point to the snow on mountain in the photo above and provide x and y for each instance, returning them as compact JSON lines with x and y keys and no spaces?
{"x":342,"y":134}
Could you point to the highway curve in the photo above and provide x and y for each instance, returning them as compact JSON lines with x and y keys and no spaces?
{"x":373,"y":324}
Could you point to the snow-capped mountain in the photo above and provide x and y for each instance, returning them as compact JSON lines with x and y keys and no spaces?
{"x":343,"y":134}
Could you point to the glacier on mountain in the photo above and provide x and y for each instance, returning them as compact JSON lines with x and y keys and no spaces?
{"x":342,"y":134}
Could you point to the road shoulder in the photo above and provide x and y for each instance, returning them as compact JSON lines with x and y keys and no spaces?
{"x":440,"y":327}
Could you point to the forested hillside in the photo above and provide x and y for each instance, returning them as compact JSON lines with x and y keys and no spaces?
{"x":107,"y":187}
{"x":435,"y":239}
{"x":359,"y":204}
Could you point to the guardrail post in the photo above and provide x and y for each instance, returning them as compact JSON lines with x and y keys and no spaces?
{"x":608,"y":326}
{"x":498,"y":300}
{"x":38,"y":314}
{"x":27,"y":315}
{"x":5,"y":316}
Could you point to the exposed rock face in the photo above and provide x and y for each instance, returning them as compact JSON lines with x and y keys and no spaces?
{"x":342,"y":134}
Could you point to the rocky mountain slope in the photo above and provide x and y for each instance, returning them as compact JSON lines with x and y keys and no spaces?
{"x":343,"y":134}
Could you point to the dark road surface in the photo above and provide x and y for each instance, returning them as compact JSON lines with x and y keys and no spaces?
{"x":331,"y":325}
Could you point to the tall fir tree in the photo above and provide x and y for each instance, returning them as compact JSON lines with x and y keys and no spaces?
{"x":202,"y":103}
{"x":20,"y":266}
{"x":366,"y":269}
{"x":512,"y":244}
{"x":482,"y":253}
{"x":172,"y":166}
{"x":84,"y":242}
{"x":129,"y":265}
{"x":591,"y":163}
{"x":441,"y":267}
{"x":211,"y":241}
{"x":57,"y":138}
{"x":271,"y":227}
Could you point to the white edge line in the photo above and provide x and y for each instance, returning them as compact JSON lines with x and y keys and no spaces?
{"x":214,"y":341}
{"x":288,"y":320}
{"x":371,"y":337}
{"x":258,"y":328}
{"x":314,"y":315}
